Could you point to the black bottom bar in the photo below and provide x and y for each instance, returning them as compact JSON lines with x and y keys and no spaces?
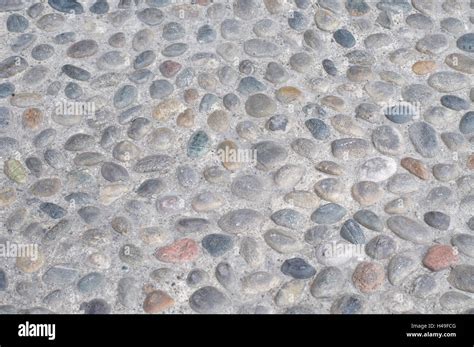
{"x":139,"y":330}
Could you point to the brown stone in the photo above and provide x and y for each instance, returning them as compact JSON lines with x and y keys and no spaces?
{"x":424,"y":67}
{"x":7,"y":196}
{"x":191,"y":96}
{"x":288,"y":94}
{"x":440,"y":257}
{"x":470,"y":162}
{"x":415,"y":167}
{"x":334,"y":102}
{"x":32,"y":118}
{"x":157,"y":301}
{"x":368,"y":276}
{"x":169,"y":68}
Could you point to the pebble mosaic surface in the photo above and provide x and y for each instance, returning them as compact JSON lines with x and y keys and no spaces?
{"x":240,"y":156}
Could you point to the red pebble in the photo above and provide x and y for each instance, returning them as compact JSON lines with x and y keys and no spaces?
{"x":440,"y":257}
{"x":179,"y":251}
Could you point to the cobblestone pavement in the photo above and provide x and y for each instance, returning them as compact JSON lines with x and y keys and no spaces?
{"x":240,"y":156}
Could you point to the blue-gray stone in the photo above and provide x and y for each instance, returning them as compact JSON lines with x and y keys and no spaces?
{"x":63,"y":38}
{"x":454,"y":102}
{"x":150,"y":16}
{"x":328,"y":214}
{"x":100,"y":7}
{"x":303,"y":4}
{"x":345,"y":38}
{"x":73,"y":91}
{"x":52,"y":210}
{"x":206,"y":34}
{"x":185,"y":77}
{"x":357,"y":7}
{"x":42,"y":52}
{"x":437,"y":220}
{"x":288,"y":218}
{"x":277,"y":123}
{"x":89,"y":214}
{"x":173,"y":31}
{"x":466,"y":42}
{"x":141,"y":76}
{"x":352,"y":232}
{"x":217,"y":244}
{"x":466,"y":125}
{"x":231,"y":101}
{"x":150,"y":187}
{"x":79,"y":198}
{"x":395,"y":6}
{"x":175,"y":49}
{"x":130,"y":113}
{"x":329,"y":67}
{"x":297,"y":268}
{"x":158,"y":3}
{"x":144,"y":59}
{"x":113,"y":172}
{"x":95,"y":306}
{"x":160,"y":89}
{"x":348,"y":304}
{"x":6,"y":89}
{"x":54,"y":158}
{"x":5,"y":117}
{"x":317,"y":128}
{"x":12,"y":65}
{"x":250,"y":85}
{"x":125,"y":96}
{"x":369,"y":220}
{"x":3,"y":280}
{"x":35,"y":165}
{"x":76,"y":72}
{"x":198,"y":144}
{"x":207,"y":102}
{"x":400,"y":113}
{"x":17,"y":23}
{"x":424,"y":139}
{"x":90,"y":282}
{"x":66,"y":6}
{"x":298,"y":21}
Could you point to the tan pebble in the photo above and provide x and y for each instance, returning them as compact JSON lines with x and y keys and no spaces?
{"x":424,"y":67}
{"x":218,"y":121}
{"x":302,"y":199}
{"x":167,"y":109}
{"x":31,"y":263}
{"x":228,"y":153}
{"x":288,"y":94}
{"x":7,"y":196}
{"x":185,"y":119}
{"x":334,"y":102}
